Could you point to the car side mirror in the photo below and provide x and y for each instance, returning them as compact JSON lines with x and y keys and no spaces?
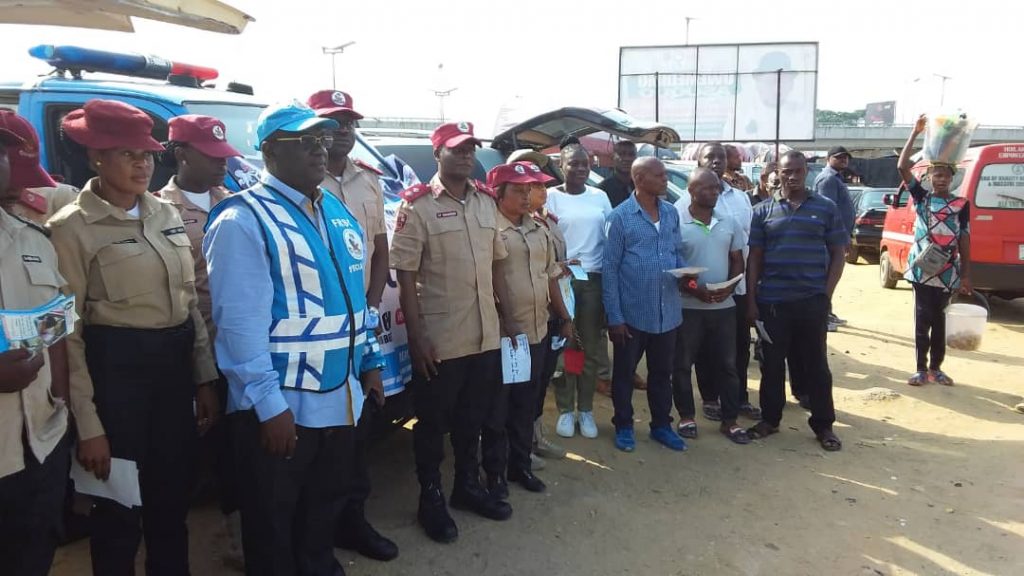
{"x":889,"y":199}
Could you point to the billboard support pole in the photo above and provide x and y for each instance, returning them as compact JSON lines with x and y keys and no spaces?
{"x":778,"y":109}
{"x":657,"y":90}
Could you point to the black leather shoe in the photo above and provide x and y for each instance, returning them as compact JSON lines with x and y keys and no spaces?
{"x":497,"y":487}
{"x":527,"y":480}
{"x":472,"y":496}
{"x":360,"y":536}
{"x":433,"y":516}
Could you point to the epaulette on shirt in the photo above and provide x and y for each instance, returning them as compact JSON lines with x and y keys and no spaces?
{"x":416,"y":192}
{"x":485,"y":189}
{"x":366,"y":166}
{"x":32,"y":225}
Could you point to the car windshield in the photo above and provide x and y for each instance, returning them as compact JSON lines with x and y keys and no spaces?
{"x":1001,"y":186}
{"x":871,"y":199}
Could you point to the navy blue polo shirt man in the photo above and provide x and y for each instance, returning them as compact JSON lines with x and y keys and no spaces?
{"x":797,"y":245}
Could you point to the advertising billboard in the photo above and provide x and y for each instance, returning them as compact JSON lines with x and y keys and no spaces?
{"x":728,"y":92}
{"x":880,"y":113}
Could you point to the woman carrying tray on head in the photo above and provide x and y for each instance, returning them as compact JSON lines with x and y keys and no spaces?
{"x":939,"y":260}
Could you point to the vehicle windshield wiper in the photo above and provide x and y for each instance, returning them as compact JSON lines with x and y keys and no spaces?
{"x":1011,"y":197}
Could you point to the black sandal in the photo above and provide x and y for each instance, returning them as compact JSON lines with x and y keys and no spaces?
{"x":737,"y":434}
{"x":829,"y":441}
{"x":761,"y":430}
{"x":712,"y":411}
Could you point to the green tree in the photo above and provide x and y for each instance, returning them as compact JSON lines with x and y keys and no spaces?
{"x":837,"y":117}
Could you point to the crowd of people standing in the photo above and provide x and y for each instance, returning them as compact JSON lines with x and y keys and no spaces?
{"x":248,"y":322}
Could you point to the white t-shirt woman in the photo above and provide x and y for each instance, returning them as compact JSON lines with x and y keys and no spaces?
{"x":581,"y":218}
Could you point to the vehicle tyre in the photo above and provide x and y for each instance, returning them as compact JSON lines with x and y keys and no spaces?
{"x":852,"y":253}
{"x":887,"y":278}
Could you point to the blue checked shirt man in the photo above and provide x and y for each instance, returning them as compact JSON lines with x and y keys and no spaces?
{"x":643,"y":301}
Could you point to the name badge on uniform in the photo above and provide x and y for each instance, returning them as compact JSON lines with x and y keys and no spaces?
{"x":447,"y":214}
{"x":173,"y":231}
{"x":126,"y":241}
{"x":31,"y":258}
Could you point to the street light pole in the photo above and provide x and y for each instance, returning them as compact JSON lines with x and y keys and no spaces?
{"x":333,"y":51}
{"x":942,"y":92}
{"x":688,"y":19}
{"x":442,"y":93}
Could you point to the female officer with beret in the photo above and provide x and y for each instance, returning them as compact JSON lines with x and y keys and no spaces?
{"x":141,"y":356}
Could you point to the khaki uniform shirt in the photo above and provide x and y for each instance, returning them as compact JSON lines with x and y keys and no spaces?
{"x":452,"y":246}
{"x":550,"y":222}
{"x":359,"y":189}
{"x":195,"y":219}
{"x":530,"y":265}
{"x":49,"y":200}
{"x":28,"y":279}
{"x":128,"y":273}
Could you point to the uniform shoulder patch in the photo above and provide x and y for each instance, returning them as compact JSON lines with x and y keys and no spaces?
{"x":32,"y":225}
{"x":485,"y":189}
{"x":416,"y":192}
{"x":366,"y":166}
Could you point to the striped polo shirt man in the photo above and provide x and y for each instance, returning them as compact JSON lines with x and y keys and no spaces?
{"x":796,"y":245}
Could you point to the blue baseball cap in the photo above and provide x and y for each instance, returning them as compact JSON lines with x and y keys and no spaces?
{"x":291,"y":116}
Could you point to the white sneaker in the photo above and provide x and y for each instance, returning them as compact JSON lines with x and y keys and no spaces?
{"x":588,"y":428}
{"x":566,"y":426}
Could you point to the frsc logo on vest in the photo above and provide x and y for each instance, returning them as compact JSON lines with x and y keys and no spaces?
{"x":354,"y":243}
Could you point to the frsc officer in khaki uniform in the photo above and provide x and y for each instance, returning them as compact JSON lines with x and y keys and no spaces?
{"x":531,"y":273}
{"x":355,"y":183}
{"x":33,"y":387}
{"x":142,"y":356}
{"x":447,"y":251}
{"x":36,"y":197}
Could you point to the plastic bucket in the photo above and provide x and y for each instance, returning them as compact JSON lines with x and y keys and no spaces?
{"x":965,"y":325}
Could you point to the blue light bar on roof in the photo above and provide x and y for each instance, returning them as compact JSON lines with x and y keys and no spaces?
{"x":123,"y":63}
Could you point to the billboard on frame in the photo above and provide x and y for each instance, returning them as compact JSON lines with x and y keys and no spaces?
{"x":723,"y":92}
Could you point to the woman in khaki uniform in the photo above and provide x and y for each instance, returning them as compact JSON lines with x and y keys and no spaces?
{"x":142,"y":356}
{"x":531,"y":274}
{"x":543,"y":447}
{"x":197,"y":149}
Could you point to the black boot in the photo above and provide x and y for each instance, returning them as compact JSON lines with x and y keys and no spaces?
{"x":527,"y":480}
{"x":355,"y":533}
{"x":433,"y":515}
{"x":497,"y":487}
{"x":470,"y":495}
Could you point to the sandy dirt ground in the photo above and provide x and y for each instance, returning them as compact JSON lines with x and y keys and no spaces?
{"x":930,"y":480}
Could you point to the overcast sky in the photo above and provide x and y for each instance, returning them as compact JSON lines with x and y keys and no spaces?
{"x":540,"y":55}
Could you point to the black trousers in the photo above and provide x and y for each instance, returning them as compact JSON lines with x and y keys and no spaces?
{"x":550,"y":364}
{"x":289,"y":505}
{"x":714,"y":332}
{"x":704,"y":365}
{"x":659,"y":349}
{"x":456,"y":400}
{"x":144,"y":394}
{"x":506,"y":437}
{"x":216,"y":463}
{"x":358,"y":484}
{"x":930,"y":325}
{"x":31,"y":508}
{"x":802,"y":323}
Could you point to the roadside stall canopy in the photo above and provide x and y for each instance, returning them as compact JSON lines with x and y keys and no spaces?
{"x":117,"y":15}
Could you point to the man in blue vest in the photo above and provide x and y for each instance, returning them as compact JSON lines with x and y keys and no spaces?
{"x":286,"y":277}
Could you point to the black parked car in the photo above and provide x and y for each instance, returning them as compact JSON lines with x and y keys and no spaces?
{"x":870,"y":219}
